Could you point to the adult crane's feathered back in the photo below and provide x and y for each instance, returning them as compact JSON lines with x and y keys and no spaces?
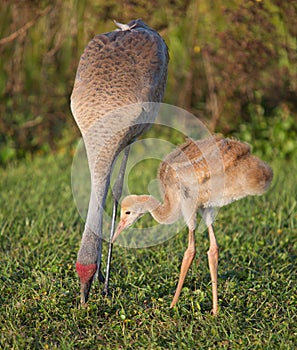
{"x":119,"y":73}
{"x":117,"y":69}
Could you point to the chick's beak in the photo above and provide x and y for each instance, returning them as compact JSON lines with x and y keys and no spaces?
{"x":121,"y":226}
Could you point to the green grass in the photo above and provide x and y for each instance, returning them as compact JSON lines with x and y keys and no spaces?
{"x":40,"y":235}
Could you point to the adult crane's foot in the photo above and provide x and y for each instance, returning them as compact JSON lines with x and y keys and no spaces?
{"x":86,"y":274}
{"x":106,"y":292}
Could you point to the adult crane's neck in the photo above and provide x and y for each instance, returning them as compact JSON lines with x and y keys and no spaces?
{"x":164,"y":213}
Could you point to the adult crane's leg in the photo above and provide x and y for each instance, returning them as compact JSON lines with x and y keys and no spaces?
{"x":99,"y":260}
{"x":213,"y":258}
{"x":116,"y":193}
{"x":186,"y":263}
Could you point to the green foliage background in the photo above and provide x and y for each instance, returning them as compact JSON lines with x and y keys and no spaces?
{"x":233,"y":64}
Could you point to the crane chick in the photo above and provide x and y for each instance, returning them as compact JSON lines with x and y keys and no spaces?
{"x":200,"y":175}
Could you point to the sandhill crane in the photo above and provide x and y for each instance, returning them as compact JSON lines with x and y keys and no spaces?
{"x":118,"y":75}
{"x":200,"y":175}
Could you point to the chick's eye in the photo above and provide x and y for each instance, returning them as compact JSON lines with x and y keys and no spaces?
{"x":127,"y":212}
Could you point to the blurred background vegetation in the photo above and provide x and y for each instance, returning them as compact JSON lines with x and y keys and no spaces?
{"x":233,"y":64}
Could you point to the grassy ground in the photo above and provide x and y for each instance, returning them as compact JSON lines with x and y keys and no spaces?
{"x":40,"y":235}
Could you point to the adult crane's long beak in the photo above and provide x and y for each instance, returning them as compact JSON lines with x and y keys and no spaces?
{"x":84,"y":291}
